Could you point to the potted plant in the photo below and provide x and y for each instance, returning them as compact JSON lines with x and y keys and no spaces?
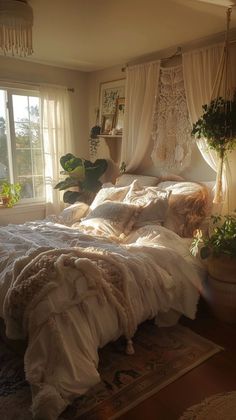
{"x":218,"y":126}
{"x":219,"y":249}
{"x":9,"y":193}
{"x":83,"y":176}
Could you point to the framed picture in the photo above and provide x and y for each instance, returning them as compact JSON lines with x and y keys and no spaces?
{"x":107,"y":123}
{"x":120,"y":112}
{"x":109,"y":93}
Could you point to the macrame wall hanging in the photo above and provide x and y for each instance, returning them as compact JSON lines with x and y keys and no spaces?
{"x":171,"y":127}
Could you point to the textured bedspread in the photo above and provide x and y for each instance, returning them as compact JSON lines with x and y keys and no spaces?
{"x":71,"y":293}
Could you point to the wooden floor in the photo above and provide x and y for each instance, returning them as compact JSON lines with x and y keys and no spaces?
{"x":217,"y":374}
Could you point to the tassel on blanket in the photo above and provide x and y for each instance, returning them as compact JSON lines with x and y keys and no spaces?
{"x":129,"y":347}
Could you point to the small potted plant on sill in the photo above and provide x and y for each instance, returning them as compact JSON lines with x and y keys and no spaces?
{"x":9,"y":194}
{"x":219,"y":250}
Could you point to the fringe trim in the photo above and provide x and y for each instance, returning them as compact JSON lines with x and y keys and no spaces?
{"x":16,"y":39}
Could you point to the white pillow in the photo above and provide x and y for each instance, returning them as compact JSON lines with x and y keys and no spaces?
{"x":118,"y":217}
{"x":74,"y":213}
{"x":185,"y":187}
{"x":110,"y":193}
{"x":140,"y":195}
{"x":154,"y":202}
{"x":144,"y":180}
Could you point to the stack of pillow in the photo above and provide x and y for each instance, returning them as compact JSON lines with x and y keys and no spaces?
{"x":137,"y":200}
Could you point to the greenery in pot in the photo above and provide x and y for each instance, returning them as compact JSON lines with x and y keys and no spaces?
{"x":9,"y":193}
{"x":221,"y":241}
{"x":82,"y":175}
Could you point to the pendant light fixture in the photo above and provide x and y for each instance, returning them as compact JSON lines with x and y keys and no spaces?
{"x":16,"y":21}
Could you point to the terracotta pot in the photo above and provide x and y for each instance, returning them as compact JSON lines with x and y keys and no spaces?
{"x":222,"y":268}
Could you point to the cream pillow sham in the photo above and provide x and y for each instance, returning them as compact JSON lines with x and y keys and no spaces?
{"x":128,"y":179}
{"x":74,"y":213}
{"x":153,"y":202}
{"x":110,"y":193}
{"x":113,"y":217}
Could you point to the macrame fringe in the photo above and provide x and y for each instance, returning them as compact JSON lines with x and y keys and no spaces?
{"x":219,"y":195}
{"x":16,"y":39}
{"x":129,"y":348}
{"x":47,"y":404}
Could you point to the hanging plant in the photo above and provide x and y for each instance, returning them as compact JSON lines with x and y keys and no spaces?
{"x":94,"y":140}
{"x":218,"y":125}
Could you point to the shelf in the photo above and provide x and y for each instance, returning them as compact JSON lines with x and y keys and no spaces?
{"x":110,"y":136}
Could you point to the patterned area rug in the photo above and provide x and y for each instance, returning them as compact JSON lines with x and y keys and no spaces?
{"x":161,"y":356}
{"x":217,"y":407}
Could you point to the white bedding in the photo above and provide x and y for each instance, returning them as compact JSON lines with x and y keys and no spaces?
{"x":64,"y":331}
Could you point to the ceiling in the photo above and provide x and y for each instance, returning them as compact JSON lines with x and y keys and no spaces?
{"x":94,"y":34}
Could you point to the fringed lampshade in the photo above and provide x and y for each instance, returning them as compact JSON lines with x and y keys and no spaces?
{"x":16,"y":21}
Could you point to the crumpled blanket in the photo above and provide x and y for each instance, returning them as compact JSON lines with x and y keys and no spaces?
{"x":39,"y":272}
{"x":34,"y":277}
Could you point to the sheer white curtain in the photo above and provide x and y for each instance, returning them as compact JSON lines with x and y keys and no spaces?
{"x":141,"y":91}
{"x":200,"y":69}
{"x":57,"y":140}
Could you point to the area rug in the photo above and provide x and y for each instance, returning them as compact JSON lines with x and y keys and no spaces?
{"x":161,"y":356}
{"x":217,"y":407}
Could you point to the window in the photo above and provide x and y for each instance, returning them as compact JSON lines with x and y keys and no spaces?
{"x":21,"y":151}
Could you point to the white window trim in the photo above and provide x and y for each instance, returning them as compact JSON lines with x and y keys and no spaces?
{"x":22,"y":89}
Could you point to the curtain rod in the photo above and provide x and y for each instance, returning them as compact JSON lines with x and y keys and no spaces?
{"x":178,"y":52}
{"x":35,"y":85}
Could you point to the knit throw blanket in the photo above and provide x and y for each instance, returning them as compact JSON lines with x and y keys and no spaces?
{"x":36,"y":275}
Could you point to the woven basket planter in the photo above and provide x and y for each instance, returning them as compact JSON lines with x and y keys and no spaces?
{"x":222,"y":268}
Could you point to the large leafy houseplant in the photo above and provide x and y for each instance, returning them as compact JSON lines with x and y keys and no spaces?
{"x":83,"y":176}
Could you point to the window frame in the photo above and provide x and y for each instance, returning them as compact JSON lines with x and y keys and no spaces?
{"x":10,"y":91}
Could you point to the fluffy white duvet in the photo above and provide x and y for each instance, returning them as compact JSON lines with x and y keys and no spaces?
{"x":77,"y":310}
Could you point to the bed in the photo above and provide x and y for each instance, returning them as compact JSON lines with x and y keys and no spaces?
{"x":71,"y":284}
